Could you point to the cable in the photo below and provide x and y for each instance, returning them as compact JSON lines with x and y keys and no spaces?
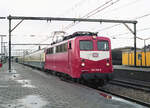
{"x":124,"y":5}
{"x":93,"y":12}
{"x":140,"y":17}
{"x":70,"y":9}
{"x":74,"y":7}
{"x":103,"y":8}
{"x":72,"y":24}
{"x":140,"y":30}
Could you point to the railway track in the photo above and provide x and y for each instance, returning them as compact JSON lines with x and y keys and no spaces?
{"x":125,"y":97}
{"x":101,"y":89}
{"x":133,"y":85}
{"x":140,"y":102}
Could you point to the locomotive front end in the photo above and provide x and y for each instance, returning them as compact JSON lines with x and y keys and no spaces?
{"x":95,"y":58}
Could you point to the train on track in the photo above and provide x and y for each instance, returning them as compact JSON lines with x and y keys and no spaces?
{"x":80,"y":56}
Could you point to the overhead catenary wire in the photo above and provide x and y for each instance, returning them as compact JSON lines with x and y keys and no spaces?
{"x":123,"y":6}
{"x":93,"y":12}
{"x":139,"y":30}
{"x":88,"y":14}
{"x":139,"y":17}
{"x":69,"y":10}
{"x":101,"y":9}
{"x":74,"y":7}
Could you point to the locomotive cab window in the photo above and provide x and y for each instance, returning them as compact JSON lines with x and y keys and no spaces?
{"x":86,"y":45}
{"x":103,"y":45}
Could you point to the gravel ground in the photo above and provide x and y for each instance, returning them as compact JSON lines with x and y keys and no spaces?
{"x":30,"y":88}
{"x":136,"y":94}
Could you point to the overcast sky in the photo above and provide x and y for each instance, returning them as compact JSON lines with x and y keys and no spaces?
{"x":105,"y":9}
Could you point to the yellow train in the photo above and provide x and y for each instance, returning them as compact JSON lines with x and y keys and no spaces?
{"x":142,"y":58}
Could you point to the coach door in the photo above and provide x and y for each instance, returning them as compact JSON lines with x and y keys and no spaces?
{"x":69,"y":56}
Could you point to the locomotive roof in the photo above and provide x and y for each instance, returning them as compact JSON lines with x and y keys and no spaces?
{"x":79,"y":33}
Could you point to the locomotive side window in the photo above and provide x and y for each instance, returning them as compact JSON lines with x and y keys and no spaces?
{"x":57,"y":49}
{"x":102,"y":45}
{"x":65,"y":47}
{"x":86,"y":45}
{"x":49,"y":51}
{"x":61,"y":48}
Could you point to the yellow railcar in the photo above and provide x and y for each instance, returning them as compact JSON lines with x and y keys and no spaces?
{"x":125,"y":58}
{"x":142,"y":58}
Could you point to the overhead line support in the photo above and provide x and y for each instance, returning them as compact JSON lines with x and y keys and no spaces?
{"x":30,"y":44}
{"x":17,"y":25}
{"x":2,"y":17}
{"x":70,"y":19}
{"x":9,"y":67}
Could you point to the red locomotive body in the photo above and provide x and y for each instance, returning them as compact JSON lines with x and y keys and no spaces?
{"x":87,"y":57}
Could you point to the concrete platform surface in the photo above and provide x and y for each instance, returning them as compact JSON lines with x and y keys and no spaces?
{"x":25,"y":87}
{"x":131,"y":68}
{"x":132,"y":73}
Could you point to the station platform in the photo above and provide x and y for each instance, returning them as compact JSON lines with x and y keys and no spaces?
{"x":131,"y":68}
{"x":25,"y":87}
{"x":132,"y":73}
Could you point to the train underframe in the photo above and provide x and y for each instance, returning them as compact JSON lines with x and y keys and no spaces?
{"x":93,"y":79}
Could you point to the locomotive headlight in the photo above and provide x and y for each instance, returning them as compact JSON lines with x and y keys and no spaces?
{"x":94,"y":37}
{"x":83,"y":64}
{"x":107,"y":64}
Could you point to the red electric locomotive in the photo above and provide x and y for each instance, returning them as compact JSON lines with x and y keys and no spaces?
{"x":82,"y":55}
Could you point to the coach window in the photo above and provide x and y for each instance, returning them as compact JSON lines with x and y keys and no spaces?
{"x":103,"y":45}
{"x":86,"y":45}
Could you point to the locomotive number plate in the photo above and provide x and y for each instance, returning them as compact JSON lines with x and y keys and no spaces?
{"x":96,"y":70}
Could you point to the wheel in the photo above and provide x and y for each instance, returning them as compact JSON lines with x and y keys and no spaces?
{"x":74,"y":79}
